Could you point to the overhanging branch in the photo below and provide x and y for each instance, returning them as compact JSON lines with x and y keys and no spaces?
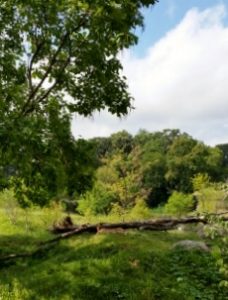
{"x":33,"y":91}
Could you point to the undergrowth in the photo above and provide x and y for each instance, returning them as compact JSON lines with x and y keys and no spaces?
{"x":133,"y":265}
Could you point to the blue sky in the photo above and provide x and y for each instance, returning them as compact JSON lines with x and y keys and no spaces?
{"x":177,"y":74}
{"x":166,"y":14}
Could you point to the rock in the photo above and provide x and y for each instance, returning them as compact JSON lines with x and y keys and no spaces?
{"x":192,"y":245}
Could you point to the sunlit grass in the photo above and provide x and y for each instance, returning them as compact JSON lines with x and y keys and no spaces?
{"x":135,"y":265}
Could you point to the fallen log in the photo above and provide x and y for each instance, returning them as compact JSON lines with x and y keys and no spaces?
{"x":162,"y":224}
{"x":153,"y":224}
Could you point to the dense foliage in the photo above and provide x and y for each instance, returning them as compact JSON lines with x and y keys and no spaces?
{"x":58,"y":58}
{"x":151,"y":167}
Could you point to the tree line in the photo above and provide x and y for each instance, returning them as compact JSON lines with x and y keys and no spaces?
{"x":149,"y":167}
{"x":99,"y":173}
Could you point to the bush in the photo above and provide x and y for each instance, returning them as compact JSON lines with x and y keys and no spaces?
{"x":179,"y":204}
{"x":97,"y":201}
{"x":211,"y":200}
{"x":200,"y":181}
{"x":140,"y":210}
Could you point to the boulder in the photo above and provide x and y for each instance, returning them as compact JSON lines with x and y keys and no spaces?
{"x":192,"y":245}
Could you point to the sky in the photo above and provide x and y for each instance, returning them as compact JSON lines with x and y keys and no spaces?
{"x":177,"y":74}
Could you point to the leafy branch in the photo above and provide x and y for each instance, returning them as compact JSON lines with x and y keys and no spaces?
{"x":31,"y":102}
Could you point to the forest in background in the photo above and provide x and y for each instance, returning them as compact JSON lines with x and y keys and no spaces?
{"x":151,"y":168}
{"x":119,"y":172}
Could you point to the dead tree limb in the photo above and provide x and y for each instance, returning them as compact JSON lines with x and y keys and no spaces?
{"x":153,"y":225}
{"x":162,"y":224}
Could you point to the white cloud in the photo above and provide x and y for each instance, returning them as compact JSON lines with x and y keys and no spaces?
{"x":182,"y":82}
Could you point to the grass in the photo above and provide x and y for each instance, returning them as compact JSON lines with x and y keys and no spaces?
{"x":134,"y":265}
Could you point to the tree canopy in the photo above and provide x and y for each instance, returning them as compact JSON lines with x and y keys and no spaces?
{"x":149,"y":167}
{"x":66,"y":48}
{"x":58,"y":58}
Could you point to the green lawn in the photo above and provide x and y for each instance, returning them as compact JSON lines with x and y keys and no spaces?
{"x":133,"y":265}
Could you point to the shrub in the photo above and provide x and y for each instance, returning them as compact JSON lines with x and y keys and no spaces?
{"x":200,"y":181}
{"x":179,"y":204}
{"x":211,"y":200}
{"x":118,"y":213}
{"x":97,"y":201}
{"x":140,"y":210}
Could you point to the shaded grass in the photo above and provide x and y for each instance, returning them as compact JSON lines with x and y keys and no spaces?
{"x":117,"y":266}
{"x":134,"y":265}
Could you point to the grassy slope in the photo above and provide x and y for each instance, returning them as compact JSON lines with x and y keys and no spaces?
{"x":135,"y":265}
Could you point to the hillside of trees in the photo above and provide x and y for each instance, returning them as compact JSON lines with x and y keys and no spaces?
{"x":150,"y":167}
{"x":118,"y":171}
